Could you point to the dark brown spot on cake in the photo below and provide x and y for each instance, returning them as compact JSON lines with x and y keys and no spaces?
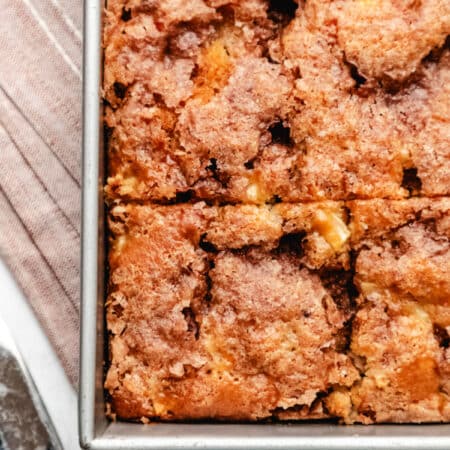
{"x":281,"y":134}
{"x":205,"y":245}
{"x":343,"y":337}
{"x":184,"y":197}
{"x":120,"y":90}
{"x":117,"y":309}
{"x":436,"y":53}
{"x":249,"y":165}
{"x":212,"y":165}
{"x":292,"y":243}
{"x":276,"y":199}
{"x":192,"y":324}
{"x":282,"y":11}
{"x":126,"y":14}
{"x":411,"y":181}
{"x":441,"y":335}
{"x":359,"y":79}
{"x":107,"y":133}
{"x":339,"y":283}
{"x":208,"y":281}
{"x":158,"y":98}
{"x":372,"y":415}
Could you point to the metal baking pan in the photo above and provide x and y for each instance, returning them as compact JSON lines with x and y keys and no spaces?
{"x":96,"y":432}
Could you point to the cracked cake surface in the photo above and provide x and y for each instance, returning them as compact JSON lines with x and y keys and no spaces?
{"x":235,"y":102}
{"x":278,"y":182}
{"x":216,"y":321}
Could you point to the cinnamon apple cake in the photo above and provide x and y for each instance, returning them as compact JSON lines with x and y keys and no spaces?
{"x":279,"y":209}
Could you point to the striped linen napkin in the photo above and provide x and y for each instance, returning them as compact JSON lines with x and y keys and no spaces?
{"x":40,"y":142}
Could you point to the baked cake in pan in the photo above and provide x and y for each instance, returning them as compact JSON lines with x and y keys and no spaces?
{"x":278,"y":211}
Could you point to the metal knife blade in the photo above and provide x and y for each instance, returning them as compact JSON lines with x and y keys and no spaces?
{"x":24,"y":421}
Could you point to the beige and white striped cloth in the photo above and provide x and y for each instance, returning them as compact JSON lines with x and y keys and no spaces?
{"x":40,"y":144}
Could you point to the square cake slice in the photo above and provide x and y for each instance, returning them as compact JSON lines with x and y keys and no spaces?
{"x":400,"y":334}
{"x":229,"y":313}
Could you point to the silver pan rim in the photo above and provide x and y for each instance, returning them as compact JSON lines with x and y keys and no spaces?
{"x":95,"y":432}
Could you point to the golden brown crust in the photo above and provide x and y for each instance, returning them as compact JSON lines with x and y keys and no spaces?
{"x":223,"y":312}
{"x":400,"y":332}
{"x":204,"y":325}
{"x":389,"y":39}
{"x":315,"y":281}
{"x":237,"y":101}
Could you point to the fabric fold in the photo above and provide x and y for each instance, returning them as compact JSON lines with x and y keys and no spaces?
{"x":40,"y":173}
